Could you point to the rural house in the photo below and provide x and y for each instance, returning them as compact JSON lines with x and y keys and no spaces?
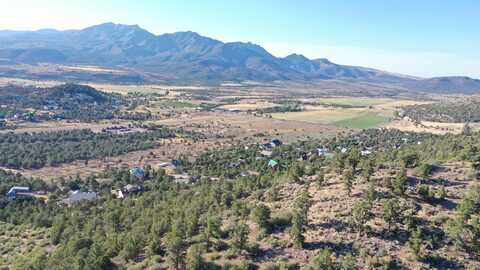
{"x":275,"y":143}
{"x":272,"y":164}
{"x":126,"y":190}
{"x":77,"y":196}
{"x":16,"y":192}
{"x":138,"y":172}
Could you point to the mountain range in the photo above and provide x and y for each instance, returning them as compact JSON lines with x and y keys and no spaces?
{"x":188,"y":56}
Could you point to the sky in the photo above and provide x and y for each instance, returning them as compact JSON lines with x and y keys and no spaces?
{"x":421,"y":38}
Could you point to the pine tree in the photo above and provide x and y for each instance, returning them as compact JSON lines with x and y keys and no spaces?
{"x":239,"y":236}
{"x":194,"y":260}
{"x":361,"y":214}
{"x":415,"y":243}
{"x":347,"y":180}
{"x":391,"y":212}
{"x":175,"y":245}
{"x":302,"y":203}
{"x":320,"y":178}
{"x":261,"y":216}
{"x":400,"y":182}
{"x":96,"y":257}
{"x":297,"y":230}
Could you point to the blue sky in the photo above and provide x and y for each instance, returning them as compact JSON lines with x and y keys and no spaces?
{"x":423,"y":38}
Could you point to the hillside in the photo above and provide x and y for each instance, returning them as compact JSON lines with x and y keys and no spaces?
{"x":412,"y":203}
{"x":69,"y":101}
{"x":187,"y":57}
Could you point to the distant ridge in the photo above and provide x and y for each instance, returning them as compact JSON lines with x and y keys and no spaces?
{"x":188,"y":56}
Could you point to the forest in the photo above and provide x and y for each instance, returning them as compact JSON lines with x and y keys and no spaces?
{"x":36,"y":150}
{"x":183,"y":226}
{"x":464,"y":111}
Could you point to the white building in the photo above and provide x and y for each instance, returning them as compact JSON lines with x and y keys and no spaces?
{"x":77,"y":196}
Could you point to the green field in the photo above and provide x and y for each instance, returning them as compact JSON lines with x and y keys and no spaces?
{"x":340,"y":117}
{"x":354,"y":101}
{"x":365,"y":120}
{"x":175,"y":104}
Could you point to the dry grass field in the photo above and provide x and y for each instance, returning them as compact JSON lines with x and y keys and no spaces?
{"x":406,"y":124}
{"x":49,"y":126}
{"x":250,"y":104}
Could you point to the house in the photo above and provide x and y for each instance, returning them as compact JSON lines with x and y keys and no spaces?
{"x":266,"y":153}
{"x":344,"y":150}
{"x":132,"y":188}
{"x":272,"y":163}
{"x":322,"y":151}
{"x":138,"y":172}
{"x":364,"y":153}
{"x":303,"y":156}
{"x":266,"y":146}
{"x":16,"y":192}
{"x":164,"y":164}
{"x":126,"y":190}
{"x":77,"y":196}
{"x":275,"y":143}
{"x":181,"y":178}
{"x":176,"y":162}
{"x":233,"y":165}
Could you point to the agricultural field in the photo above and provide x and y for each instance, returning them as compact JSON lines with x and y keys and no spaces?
{"x":355,"y":117}
{"x":348,"y":112}
{"x":354,"y":102}
{"x":348,"y":118}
